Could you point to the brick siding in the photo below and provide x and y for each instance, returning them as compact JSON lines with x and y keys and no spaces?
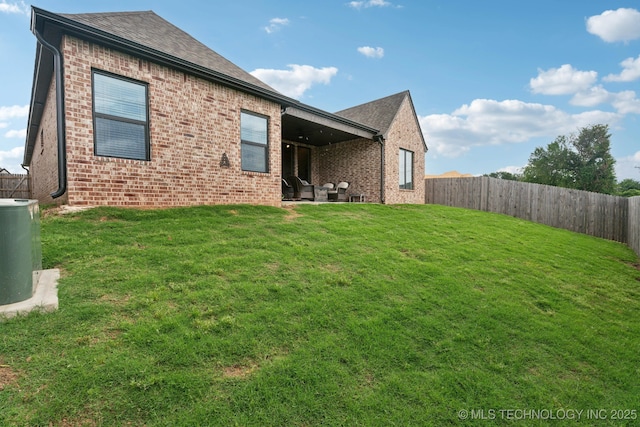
{"x":356,"y":161}
{"x":404,"y":133}
{"x":193,"y":122}
{"x":44,"y":161}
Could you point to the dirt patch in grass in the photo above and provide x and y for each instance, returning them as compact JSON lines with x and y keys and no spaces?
{"x":116,"y":300}
{"x":8,"y":376}
{"x":62,"y":210}
{"x":238,"y":371}
{"x":292,"y":213}
{"x":637,"y":267}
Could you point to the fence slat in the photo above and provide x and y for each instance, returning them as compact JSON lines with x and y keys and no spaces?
{"x":633,"y":223}
{"x":14,"y":186}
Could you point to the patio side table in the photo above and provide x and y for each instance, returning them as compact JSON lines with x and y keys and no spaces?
{"x":320,"y":194}
{"x":356,"y":198}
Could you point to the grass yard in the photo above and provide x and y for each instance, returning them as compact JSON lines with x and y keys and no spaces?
{"x":353,"y":314}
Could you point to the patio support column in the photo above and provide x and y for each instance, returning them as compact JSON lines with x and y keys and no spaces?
{"x":380,"y":140}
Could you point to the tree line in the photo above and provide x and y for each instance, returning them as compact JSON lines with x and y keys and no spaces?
{"x":581,"y":161}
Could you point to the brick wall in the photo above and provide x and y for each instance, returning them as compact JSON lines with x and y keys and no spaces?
{"x":44,"y":161}
{"x":356,"y":161}
{"x":404,"y":133}
{"x":193,"y":122}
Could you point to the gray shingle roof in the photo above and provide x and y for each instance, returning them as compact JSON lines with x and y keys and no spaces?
{"x":150,"y":30}
{"x":378,"y":114}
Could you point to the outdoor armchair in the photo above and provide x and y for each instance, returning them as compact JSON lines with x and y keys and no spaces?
{"x":301,"y":188}
{"x":340,"y":192}
{"x":287,"y":190}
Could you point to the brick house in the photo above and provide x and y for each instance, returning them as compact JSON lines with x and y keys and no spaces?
{"x":129,"y":110}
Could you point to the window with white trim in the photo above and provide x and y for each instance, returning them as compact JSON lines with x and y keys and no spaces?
{"x":120,"y":117}
{"x":254,"y":142}
{"x":406,"y":169}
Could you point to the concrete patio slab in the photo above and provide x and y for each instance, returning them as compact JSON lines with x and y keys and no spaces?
{"x":45,"y":297}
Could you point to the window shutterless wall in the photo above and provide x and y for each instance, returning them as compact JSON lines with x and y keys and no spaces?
{"x":405,"y":167}
{"x":192,"y":124}
{"x":254,"y":137}
{"x":404,"y":134}
{"x":120,"y":116}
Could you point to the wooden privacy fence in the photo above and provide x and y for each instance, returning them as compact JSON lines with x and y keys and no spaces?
{"x":600,"y":215}
{"x":634,"y":224}
{"x":14,"y":186}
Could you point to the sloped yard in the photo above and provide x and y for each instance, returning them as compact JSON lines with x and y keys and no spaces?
{"x":350,"y":314}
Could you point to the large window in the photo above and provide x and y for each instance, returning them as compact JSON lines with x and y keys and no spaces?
{"x":406,"y":169}
{"x":120,"y":119}
{"x":254,"y":142}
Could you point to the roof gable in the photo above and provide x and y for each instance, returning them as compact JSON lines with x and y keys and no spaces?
{"x":381,"y":113}
{"x":150,"y":30}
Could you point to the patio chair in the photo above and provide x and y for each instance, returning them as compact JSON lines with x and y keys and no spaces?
{"x":301,"y":188}
{"x":287,"y":190}
{"x":329,"y":186}
{"x":340,"y":192}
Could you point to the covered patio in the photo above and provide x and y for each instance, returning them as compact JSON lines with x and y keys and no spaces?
{"x":320,"y":147}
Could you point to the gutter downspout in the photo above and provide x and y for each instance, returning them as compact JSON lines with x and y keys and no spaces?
{"x":60,"y":121}
{"x":380,"y":139}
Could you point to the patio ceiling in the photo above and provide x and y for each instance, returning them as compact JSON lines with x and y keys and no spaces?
{"x":315,"y":127}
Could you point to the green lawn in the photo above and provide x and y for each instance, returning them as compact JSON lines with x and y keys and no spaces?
{"x":350,"y":314}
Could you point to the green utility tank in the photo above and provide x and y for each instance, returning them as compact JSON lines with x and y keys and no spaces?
{"x":20,"y":249}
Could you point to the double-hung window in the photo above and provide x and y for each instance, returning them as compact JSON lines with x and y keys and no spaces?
{"x":406,"y":169}
{"x":254,"y":142}
{"x":120,"y":117}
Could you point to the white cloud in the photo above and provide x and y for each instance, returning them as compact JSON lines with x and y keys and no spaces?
{"x":593,"y":96}
{"x":296,"y":81}
{"x":626,"y":167}
{"x":275,"y":24}
{"x":562,"y":81}
{"x":615,"y":25}
{"x":13,"y":112}
{"x":489,"y":122}
{"x":369,"y":3}
{"x":512,"y":169}
{"x":11,"y":159}
{"x":16,"y":134}
{"x":371,"y":52}
{"x":630,"y":71}
{"x":626,"y":102}
{"x":16,"y":7}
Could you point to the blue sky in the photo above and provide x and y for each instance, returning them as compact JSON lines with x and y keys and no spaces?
{"x":491,"y":80}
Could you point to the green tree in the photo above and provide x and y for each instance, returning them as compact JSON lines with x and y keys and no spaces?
{"x":629,"y":188}
{"x":554,"y":165}
{"x":504,"y":175}
{"x":582,"y":161}
{"x":595,"y":170}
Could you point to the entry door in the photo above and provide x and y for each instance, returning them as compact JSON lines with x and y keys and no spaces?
{"x":304,"y":163}
{"x":287,"y":160}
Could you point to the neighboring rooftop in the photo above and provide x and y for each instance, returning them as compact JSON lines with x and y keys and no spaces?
{"x":450,"y":174}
